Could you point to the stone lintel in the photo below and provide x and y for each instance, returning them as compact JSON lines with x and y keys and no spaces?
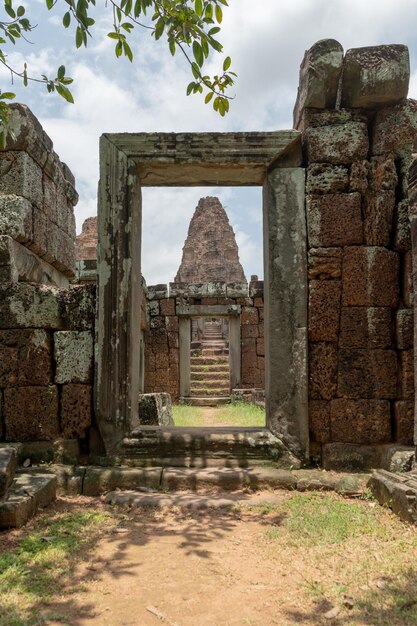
{"x":215,"y":310}
{"x":195,"y":159}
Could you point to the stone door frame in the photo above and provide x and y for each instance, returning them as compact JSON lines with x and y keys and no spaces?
{"x":185,"y":313}
{"x":132,"y":160}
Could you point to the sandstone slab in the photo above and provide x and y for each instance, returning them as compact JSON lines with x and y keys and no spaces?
{"x":395,"y":129}
{"x":76,"y":410}
{"x":73,"y":353}
{"x":30,"y":492}
{"x":404,"y":422}
{"x":319,"y":77}
{"x":325,"y":263}
{"x":375,"y":76}
{"x":366,"y":327}
{"x":322,"y":361}
{"x":324,"y":310}
{"x":8,"y":466}
{"x":25,"y":357}
{"x":370,"y":277}
{"x":16,"y":218}
{"x":155,"y":409}
{"x":367,"y":373}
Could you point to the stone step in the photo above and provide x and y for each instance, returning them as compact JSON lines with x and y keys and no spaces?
{"x":222,"y":375}
{"x":8,"y":466}
{"x":206,"y":400}
{"x":209,"y":360}
{"x":209,"y":393}
{"x":174,"y":481}
{"x":194,"y":447}
{"x":214,"y":351}
{"x":29,"y":491}
{"x":210,"y":384}
{"x":215,"y":367}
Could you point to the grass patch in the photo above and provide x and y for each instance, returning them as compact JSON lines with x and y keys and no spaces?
{"x":38,"y":570}
{"x":356,"y":549}
{"x":239,"y":414}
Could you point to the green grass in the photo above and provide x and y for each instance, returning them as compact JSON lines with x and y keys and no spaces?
{"x":37,"y":572}
{"x":239,"y":414}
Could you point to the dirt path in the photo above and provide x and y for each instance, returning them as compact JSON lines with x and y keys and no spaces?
{"x":211,"y":416}
{"x":188,"y":570}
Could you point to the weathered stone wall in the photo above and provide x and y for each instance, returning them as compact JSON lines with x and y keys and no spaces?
{"x":162,"y":373}
{"x":46,"y":326}
{"x":37,"y":195}
{"x":361,"y":375}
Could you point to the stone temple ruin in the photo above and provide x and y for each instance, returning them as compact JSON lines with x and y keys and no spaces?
{"x":331,"y":328}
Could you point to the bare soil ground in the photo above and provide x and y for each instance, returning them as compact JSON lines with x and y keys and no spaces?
{"x":310,"y":559}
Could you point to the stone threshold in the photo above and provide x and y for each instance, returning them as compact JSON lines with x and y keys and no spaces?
{"x":96,"y":480}
{"x":397,"y":491}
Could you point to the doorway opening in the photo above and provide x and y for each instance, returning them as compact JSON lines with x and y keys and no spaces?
{"x":209,"y":359}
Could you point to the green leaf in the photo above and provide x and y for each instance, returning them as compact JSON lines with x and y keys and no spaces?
{"x":172,"y":46}
{"x":113,"y":35}
{"x":78,"y":37}
{"x":20,"y":11}
{"x":198,"y":53}
{"x":8,"y":95}
{"x":219,"y":14}
{"x":66,"y":20}
{"x":190,"y":88}
{"x":159,"y":28}
{"x":195,"y":70}
{"x":227,"y":63}
{"x":198,"y":7}
{"x":9,"y":11}
{"x":208,"y":97}
{"x":127,"y":50}
{"x":49,"y":4}
{"x":61,"y":71}
{"x":209,"y":12}
{"x":65,"y":93}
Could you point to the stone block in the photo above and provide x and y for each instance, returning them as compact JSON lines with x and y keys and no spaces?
{"x":402,"y":230}
{"x":404,"y":329}
{"x":248,"y":345}
{"x":98,"y":480}
{"x":29,"y":135}
{"x":406,"y":374}
{"x":358,"y":180}
{"x":237,"y":290}
{"x":41,"y":227}
{"x":319,"y":78}
{"x":360,"y":421}
{"x":172,"y":324}
{"x":155,"y":409}
{"x":250,"y":330}
{"x":375,"y":76}
{"x":363,"y":327}
{"x":256,"y":288}
{"x":157,"y":321}
{"x":173,"y":356}
{"x":367,"y":373}
{"x":407,"y":289}
{"x":404,"y":422}
{"x":161,"y":361}
{"x":370,"y":277}
{"x":16,"y":218}
{"x":260,"y":346}
{"x":49,"y":199}
{"x":173,"y":340}
{"x":76,"y":410}
{"x":30,"y":306}
{"x":341,"y":144}
{"x":19,"y":264}
{"x":334,"y":220}
{"x":249,"y":315}
{"x":378,"y":211}
{"x":382,"y":173}
{"x":167,"y":306}
{"x":31,"y":413}
{"x":78,"y":306}
{"x":25,"y":357}
{"x":153,"y":308}
{"x":325,"y":263}
{"x":21,"y":175}
{"x":8,"y":466}
{"x":74,"y":354}
{"x":326,"y":178}
{"x":319,"y":419}
{"x":258,"y":302}
{"x":324,"y":310}
{"x":395,"y":129}
{"x":341,"y":457}
{"x":30,"y":491}
{"x":158,"y":292}
{"x":322,"y":368}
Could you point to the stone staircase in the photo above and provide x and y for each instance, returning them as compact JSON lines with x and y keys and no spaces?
{"x":22,"y":492}
{"x":210,"y":377}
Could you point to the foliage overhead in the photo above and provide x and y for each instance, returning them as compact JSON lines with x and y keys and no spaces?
{"x":188,"y":26}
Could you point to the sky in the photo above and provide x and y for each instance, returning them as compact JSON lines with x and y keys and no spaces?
{"x":266,"y":41}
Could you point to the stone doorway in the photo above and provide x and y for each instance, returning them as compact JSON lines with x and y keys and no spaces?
{"x":271,"y":160}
